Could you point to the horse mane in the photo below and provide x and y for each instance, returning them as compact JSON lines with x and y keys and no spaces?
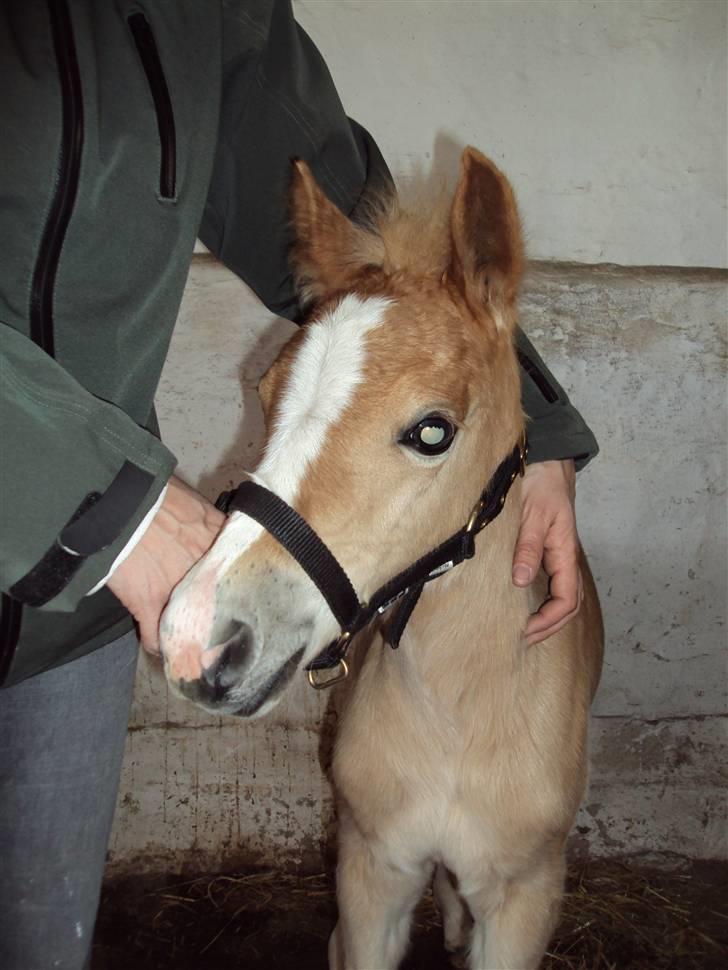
{"x":407,"y":234}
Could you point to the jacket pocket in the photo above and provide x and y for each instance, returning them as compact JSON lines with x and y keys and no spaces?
{"x":149,"y":56}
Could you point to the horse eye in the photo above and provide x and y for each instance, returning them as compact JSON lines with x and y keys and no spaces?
{"x":432,"y":435}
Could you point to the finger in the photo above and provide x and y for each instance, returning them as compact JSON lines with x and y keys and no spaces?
{"x":151,"y":649}
{"x":149,"y":632}
{"x":214,"y":519}
{"x":529,"y":551}
{"x":561,"y":563}
{"x":564,"y":598}
{"x":554,"y":614}
{"x":540,"y":633}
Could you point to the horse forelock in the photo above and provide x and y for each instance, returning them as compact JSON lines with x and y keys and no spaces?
{"x":406,"y":239}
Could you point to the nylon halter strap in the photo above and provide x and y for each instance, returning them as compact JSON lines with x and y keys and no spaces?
{"x":316,"y":559}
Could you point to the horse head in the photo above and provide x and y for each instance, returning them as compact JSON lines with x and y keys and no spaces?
{"x":386,"y":414}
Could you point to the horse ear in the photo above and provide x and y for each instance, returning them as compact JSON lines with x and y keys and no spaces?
{"x":324,"y":254}
{"x":486,"y":260}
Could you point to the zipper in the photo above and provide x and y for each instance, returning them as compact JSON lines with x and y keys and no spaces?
{"x":69,"y":165}
{"x":149,"y":55}
{"x":46,"y":265}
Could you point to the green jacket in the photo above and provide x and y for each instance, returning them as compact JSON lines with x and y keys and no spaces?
{"x":130,"y":128}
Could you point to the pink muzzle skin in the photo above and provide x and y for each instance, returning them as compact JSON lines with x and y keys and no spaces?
{"x":187,"y":624}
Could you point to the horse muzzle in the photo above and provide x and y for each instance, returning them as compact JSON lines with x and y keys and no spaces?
{"x":227,"y":658}
{"x":224,"y":689}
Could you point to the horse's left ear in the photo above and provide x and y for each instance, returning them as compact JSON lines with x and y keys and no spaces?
{"x":486,"y":261}
{"x":326,"y":254}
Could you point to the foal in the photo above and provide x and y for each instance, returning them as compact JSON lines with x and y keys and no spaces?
{"x":463,"y":752}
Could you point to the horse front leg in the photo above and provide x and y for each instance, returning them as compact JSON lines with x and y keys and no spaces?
{"x":514,"y":934}
{"x":375,"y":899}
{"x":456,"y":920}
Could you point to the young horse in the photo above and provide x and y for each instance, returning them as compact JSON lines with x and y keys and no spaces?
{"x":463,"y":750}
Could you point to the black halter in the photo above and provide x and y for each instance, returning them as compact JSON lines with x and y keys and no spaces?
{"x":317,"y":560}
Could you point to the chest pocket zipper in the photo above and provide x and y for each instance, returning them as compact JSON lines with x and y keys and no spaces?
{"x":149,"y":55}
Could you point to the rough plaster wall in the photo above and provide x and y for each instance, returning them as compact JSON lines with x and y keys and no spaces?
{"x":609,"y":116}
{"x":642,"y":352}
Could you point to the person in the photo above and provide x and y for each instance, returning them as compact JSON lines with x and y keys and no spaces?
{"x":130,"y":129}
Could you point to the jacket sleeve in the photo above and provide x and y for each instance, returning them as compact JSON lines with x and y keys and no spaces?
{"x":77,"y":477}
{"x":555,"y":428}
{"x":278,"y":104}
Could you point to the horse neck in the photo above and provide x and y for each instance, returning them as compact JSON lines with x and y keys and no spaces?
{"x":468,"y":625}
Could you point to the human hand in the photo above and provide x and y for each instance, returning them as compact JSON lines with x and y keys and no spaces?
{"x":180,"y":533}
{"x":548,"y":534}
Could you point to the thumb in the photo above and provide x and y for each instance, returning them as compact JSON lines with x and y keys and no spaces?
{"x":529,"y":551}
{"x":148,"y":622}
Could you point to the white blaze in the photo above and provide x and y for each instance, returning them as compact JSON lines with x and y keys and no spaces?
{"x":321,"y":384}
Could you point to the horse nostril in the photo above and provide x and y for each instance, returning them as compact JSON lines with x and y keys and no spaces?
{"x":236,"y":642}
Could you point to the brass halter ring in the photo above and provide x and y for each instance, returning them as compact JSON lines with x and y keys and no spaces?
{"x":318,"y":682}
{"x":318,"y":679}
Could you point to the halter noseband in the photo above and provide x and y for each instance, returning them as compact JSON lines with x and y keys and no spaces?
{"x":322,"y":567}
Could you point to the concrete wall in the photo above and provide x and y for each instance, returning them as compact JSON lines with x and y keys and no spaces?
{"x":610,"y":117}
{"x":642,"y":352}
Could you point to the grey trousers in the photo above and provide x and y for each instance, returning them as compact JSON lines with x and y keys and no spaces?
{"x":61,"y":743}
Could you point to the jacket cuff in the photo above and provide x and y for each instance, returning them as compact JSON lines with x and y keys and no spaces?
{"x":556,"y":430}
{"x":560,"y":435}
{"x":88,"y":545}
{"x":131,"y":545}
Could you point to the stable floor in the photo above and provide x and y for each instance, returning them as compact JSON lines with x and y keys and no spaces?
{"x":617,"y":915}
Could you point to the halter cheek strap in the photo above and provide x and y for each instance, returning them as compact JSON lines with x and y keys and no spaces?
{"x":403,"y":590}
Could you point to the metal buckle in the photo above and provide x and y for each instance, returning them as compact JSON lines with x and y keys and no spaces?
{"x":474,"y":515}
{"x":523,"y":453}
{"x":341,"y":672}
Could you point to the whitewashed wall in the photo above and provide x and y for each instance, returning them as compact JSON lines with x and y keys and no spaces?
{"x":610,"y":118}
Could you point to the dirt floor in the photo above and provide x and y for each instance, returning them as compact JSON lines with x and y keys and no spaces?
{"x":617,"y":915}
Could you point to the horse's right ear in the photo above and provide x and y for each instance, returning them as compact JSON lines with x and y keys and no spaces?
{"x":326,"y":244}
{"x":486,"y":261}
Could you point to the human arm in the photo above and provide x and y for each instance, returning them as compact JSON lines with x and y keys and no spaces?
{"x":278,"y":106}
{"x":78,"y":475}
{"x":560,"y":443}
{"x":548,"y":537}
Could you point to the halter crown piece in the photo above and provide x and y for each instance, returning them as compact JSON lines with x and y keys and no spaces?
{"x":402,"y":591}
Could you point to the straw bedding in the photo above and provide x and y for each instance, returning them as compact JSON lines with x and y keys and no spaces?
{"x":616,"y":915}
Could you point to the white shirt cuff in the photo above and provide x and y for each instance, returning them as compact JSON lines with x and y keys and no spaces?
{"x":133,"y":541}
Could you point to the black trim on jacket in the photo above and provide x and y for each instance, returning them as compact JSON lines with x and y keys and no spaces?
{"x":44,"y":273}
